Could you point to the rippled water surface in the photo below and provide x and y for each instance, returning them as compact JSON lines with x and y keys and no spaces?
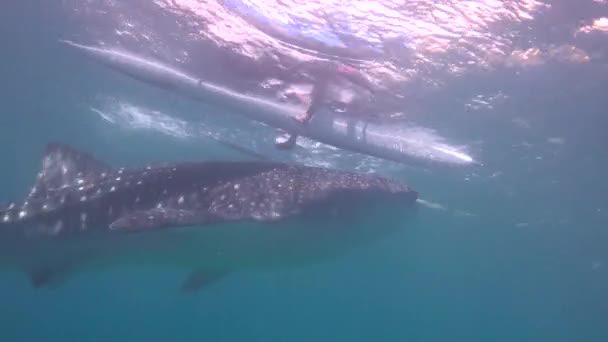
{"x":512,"y":250}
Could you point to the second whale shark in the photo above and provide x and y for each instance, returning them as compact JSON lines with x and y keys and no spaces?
{"x":210,"y":218}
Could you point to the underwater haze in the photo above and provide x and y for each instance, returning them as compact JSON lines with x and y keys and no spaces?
{"x":514,"y":249}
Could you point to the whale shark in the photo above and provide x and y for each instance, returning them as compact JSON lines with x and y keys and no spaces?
{"x":381,"y":140}
{"x":210,"y":218}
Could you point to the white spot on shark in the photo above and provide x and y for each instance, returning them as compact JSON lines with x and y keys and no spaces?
{"x":137,"y":199}
{"x":138,"y":182}
{"x":112,"y":189}
{"x":83,"y":198}
{"x":81,"y":188}
{"x":237,"y":186}
{"x":118,"y":179}
{"x":159,"y":205}
{"x":6,"y":218}
{"x":45,"y":207}
{"x":11,"y":206}
{"x":80,"y":181}
{"x":103,"y":175}
{"x":22,"y":214}
{"x":180,"y":200}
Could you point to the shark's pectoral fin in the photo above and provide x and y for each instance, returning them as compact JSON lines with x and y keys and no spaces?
{"x":47,"y":275}
{"x":42,"y":278}
{"x":198,"y":279}
{"x":159,"y":218}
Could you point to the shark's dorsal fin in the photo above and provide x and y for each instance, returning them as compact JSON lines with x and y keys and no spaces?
{"x":199,"y":279}
{"x":64,"y":166}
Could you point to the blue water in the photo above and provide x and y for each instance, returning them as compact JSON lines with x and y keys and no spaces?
{"x":518,"y":255}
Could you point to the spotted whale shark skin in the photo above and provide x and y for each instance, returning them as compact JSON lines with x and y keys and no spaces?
{"x":212,"y":217}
